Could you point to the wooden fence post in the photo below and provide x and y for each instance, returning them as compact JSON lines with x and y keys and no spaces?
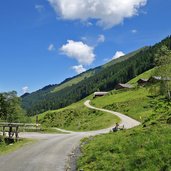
{"x":16,"y":133}
{"x":3,"y":130}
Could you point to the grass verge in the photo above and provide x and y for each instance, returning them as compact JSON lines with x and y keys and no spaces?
{"x":135,"y":103}
{"x":7,"y":148}
{"x":77,"y":117}
{"x":140,"y":149}
{"x":44,"y":130}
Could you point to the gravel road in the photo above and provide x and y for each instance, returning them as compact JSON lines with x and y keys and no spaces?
{"x":125,"y":120}
{"x":51,"y":151}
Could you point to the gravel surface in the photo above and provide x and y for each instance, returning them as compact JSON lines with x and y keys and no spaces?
{"x":52,"y":151}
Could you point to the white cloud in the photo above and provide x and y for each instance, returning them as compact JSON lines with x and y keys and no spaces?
{"x":25,"y":89}
{"x":118,"y":54}
{"x":78,"y":50}
{"x":101,"y":38}
{"x":79,"y":69}
{"x":39,"y":8}
{"x":134,"y":31}
{"x":107,"y":13}
{"x":51,"y":47}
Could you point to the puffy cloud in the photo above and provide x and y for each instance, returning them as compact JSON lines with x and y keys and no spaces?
{"x":78,"y":50}
{"x":118,"y":54}
{"x":51,"y":47}
{"x":101,"y":38}
{"x":107,"y":13}
{"x":79,"y":69}
{"x":25,"y":89}
{"x":39,"y":8}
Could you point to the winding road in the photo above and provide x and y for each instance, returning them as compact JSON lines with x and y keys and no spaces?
{"x":51,"y":151}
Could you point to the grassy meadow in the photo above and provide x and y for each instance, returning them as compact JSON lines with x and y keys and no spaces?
{"x":140,"y":149}
{"x":77,"y":117}
{"x":135,"y":103}
{"x":144,"y":148}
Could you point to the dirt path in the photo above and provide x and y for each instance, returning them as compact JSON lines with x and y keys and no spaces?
{"x":50,"y":153}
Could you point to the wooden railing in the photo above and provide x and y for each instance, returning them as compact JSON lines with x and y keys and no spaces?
{"x":13,"y":128}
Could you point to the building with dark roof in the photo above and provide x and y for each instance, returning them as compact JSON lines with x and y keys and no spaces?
{"x":154,"y":79}
{"x":142,"y":81}
{"x":123,"y":86}
{"x":99,"y":94}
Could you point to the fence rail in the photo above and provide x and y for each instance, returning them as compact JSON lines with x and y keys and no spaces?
{"x":13,"y":128}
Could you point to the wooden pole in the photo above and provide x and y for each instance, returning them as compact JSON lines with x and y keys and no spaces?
{"x":16,"y":133}
{"x":10,"y":131}
{"x":3,"y":130}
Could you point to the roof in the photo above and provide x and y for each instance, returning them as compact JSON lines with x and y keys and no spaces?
{"x":156,"y":77}
{"x":100,"y":93}
{"x":125,"y":85}
{"x":160,"y":78}
{"x":143,"y":79}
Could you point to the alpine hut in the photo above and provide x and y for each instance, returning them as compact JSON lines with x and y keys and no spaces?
{"x":123,"y":86}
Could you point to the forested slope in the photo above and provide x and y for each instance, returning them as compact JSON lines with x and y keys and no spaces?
{"x":102,"y":78}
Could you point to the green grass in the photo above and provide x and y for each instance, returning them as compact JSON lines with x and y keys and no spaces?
{"x":77,"y":117}
{"x":140,"y":149}
{"x":74,"y":81}
{"x":7,"y":148}
{"x":134,"y":103}
{"x":144,"y":75}
{"x":42,"y":115}
{"x":43,"y":130}
{"x":144,"y":148}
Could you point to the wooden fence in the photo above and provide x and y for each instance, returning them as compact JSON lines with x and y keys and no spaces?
{"x":13,"y":129}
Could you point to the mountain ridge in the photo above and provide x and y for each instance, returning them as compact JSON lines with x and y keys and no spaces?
{"x":104,"y":77}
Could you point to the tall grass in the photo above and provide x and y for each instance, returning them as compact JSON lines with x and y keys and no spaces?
{"x":140,"y":149}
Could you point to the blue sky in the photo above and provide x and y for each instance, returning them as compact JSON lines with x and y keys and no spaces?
{"x":45,"y":41}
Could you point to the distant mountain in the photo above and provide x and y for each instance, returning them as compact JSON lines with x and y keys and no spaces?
{"x":102,"y":78}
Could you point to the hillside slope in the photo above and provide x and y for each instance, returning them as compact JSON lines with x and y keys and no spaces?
{"x":101,"y":78}
{"x":144,"y":148}
{"x":77,"y":117}
{"x":32,"y":100}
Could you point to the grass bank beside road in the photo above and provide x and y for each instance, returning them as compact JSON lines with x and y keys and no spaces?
{"x":77,"y":117}
{"x":10,"y":147}
{"x":140,"y":149}
{"x":144,"y":148}
{"x":135,"y":103}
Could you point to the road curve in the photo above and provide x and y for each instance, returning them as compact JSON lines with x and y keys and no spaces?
{"x":125,"y":120}
{"x":51,"y":151}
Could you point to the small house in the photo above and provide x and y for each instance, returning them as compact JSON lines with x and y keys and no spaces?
{"x":142,"y":81}
{"x":99,"y":94}
{"x":123,"y":86}
{"x":154,"y":79}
